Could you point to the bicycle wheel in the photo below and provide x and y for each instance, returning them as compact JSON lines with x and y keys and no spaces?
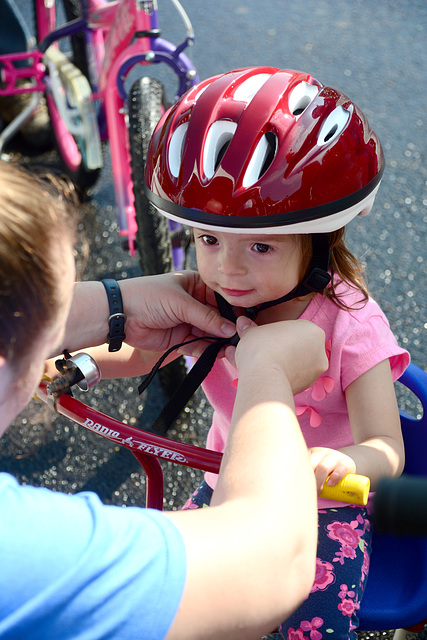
{"x":80,"y":157}
{"x":153,"y":236}
{"x":154,"y":242}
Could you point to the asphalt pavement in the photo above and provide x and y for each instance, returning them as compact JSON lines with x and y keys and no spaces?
{"x":373,"y":51}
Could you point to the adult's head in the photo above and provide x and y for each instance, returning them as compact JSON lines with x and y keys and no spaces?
{"x":37,"y":273}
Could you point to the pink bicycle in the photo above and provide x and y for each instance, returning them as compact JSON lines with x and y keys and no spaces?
{"x":90,"y":100}
{"x":93,"y":71}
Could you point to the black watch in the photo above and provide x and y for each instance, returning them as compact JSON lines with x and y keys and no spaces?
{"x":117,"y":319}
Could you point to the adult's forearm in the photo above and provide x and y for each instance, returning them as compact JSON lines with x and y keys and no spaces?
{"x":251,"y":556}
{"x":264,"y":422}
{"x":87,"y":323}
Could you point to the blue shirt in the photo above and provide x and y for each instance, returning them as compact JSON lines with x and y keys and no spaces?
{"x":71,"y":567}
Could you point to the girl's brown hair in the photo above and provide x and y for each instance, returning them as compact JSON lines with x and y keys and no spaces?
{"x":34,"y":218}
{"x":342,"y":264}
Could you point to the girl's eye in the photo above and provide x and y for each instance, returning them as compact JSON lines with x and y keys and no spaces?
{"x":209,"y":239}
{"x":261,"y":248}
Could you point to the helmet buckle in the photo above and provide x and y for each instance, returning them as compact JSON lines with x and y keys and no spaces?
{"x":316,"y":280}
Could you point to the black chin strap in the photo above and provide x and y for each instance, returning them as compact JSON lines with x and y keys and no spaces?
{"x":182,"y":394}
{"x":316,"y":280}
{"x":194,"y":378}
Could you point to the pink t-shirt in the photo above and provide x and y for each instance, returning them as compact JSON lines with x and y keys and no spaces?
{"x":356,"y":340}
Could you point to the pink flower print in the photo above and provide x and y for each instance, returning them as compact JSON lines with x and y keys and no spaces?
{"x":367,"y":524}
{"x":189,"y":505}
{"x":348,"y":607}
{"x":345,"y":592}
{"x":328,"y":349}
{"x":365,"y":565}
{"x":321,"y":388}
{"x":297,"y":634}
{"x":348,"y":536}
{"x":324,"y":576}
{"x":360,"y":519}
{"x":314,"y":417}
{"x":348,"y":552}
{"x":345,"y":533}
{"x":312,"y":627}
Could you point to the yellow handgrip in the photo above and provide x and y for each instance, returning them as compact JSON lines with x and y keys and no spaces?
{"x":353,"y":489}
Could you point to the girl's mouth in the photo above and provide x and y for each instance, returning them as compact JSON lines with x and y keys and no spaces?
{"x":236,"y":293}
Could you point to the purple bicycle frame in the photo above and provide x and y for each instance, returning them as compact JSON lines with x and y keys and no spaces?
{"x":132,"y":39}
{"x":119,"y":35}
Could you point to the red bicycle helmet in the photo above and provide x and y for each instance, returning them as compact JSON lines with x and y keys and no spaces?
{"x":264,"y":148}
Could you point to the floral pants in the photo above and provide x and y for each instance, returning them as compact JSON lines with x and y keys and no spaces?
{"x":344,"y":546}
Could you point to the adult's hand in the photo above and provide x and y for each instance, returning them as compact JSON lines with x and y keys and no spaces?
{"x":166,"y":310}
{"x":161,"y":311}
{"x":295,"y":346}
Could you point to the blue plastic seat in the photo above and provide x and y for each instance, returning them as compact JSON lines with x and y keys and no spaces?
{"x":396,"y":590}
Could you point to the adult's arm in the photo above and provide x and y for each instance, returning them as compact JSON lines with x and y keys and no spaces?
{"x":160,"y":311}
{"x":251,"y":555}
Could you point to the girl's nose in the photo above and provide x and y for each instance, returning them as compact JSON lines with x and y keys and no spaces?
{"x":231,"y":262}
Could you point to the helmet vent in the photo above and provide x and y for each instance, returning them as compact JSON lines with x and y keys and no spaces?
{"x":176,"y":147}
{"x":331,"y":133}
{"x":303,"y":95}
{"x":217,"y":141}
{"x":250,"y":87}
{"x":261,"y":159}
{"x":333,"y":125}
{"x":221,"y":153}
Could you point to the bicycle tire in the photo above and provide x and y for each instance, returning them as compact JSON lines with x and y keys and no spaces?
{"x":67,"y":148}
{"x":146,"y":100}
{"x":153,"y":236}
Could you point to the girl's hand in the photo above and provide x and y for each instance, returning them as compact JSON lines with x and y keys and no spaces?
{"x":330,"y":462}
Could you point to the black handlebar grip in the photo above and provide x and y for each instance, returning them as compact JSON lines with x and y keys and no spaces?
{"x":400,"y":506}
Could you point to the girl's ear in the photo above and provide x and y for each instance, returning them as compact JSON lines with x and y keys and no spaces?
{"x":2,"y":360}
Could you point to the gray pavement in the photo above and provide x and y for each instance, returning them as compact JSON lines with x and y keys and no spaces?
{"x":373,"y":51}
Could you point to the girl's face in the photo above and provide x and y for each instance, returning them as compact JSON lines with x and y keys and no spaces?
{"x":248,"y":269}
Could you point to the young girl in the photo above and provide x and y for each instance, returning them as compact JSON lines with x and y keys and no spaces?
{"x":269,"y":166}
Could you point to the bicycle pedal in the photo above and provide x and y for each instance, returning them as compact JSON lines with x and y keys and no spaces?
{"x":78,"y":102}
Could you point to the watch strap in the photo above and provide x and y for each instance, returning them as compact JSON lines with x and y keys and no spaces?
{"x":117,"y":318}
